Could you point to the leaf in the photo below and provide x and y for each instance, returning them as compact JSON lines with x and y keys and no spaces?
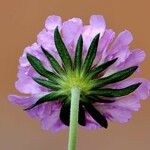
{"x":116,"y":77}
{"x":65,"y":114}
{"x":99,"y":99}
{"x":53,"y":61}
{"x":38,"y":66}
{"x":78,"y":54}
{"x":96,"y":115}
{"x":94,"y":72}
{"x":47,"y":83}
{"x":107,"y":92}
{"x":62,"y":50}
{"x":82,"y":117}
{"x":91,"y":54}
{"x":46,"y":98}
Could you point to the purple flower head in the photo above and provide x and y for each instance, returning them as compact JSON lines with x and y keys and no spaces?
{"x":90,"y":57}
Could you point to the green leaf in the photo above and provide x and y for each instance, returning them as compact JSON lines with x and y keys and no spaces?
{"x":107,"y":92}
{"x":99,"y":99}
{"x":78,"y":54}
{"x":116,"y":77}
{"x":94,"y":72}
{"x":38,"y":66}
{"x":96,"y":115}
{"x":91,"y":54}
{"x":47,"y":83}
{"x":65,"y":114}
{"x":46,"y":98}
{"x":82,"y":117}
{"x":53,"y":61}
{"x":62,"y":50}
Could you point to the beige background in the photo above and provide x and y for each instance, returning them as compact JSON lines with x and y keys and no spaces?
{"x":20,"y":21}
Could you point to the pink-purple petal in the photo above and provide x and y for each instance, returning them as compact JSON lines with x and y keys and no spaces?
{"x":116,"y":113}
{"x":52,"y":121}
{"x":52,"y":22}
{"x":135,"y":57}
{"x":123,"y":39}
{"x":97,"y":25}
{"x":102,"y":49}
{"x":23,"y":101}
{"x":34,"y":49}
{"x":47,"y":113}
{"x":46,"y":40}
{"x":98,"y":22}
{"x":75,"y":27}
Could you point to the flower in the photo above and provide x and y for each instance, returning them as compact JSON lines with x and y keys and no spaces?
{"x":90,"y":57}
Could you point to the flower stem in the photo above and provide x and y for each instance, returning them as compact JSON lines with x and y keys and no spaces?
{"x":75,"y":97}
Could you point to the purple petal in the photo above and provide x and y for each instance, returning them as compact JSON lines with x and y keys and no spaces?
{"x":123,"y":39}
{"x":44,"y":110}
{"x":129,"y":102}
{"x":120,"y":47}
{"x":23,"y":101}
{"x":33,"y":49}
{"x":134,"y":59}
{"x":47,"y":113}
{"x":52,"y":22}
{"x":116,"y":113}
{"x":106,"y":40}
{"x":52,"y":121}
{"x":103,"y":46}
{"x":97,"y":21}
{"x":27,"y":85}
{"x":125,"y":60}
{"x":71,"y":30}
{"x":97,"y":25}
{"x":46,"y":39}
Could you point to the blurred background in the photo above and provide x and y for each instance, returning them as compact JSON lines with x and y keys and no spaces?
{"x":20,"y":21}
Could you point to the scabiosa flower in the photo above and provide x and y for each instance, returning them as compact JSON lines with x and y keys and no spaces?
{"x":86,"y":62}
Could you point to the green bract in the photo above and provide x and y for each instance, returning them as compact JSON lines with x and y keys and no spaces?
{"x":82,"y":74}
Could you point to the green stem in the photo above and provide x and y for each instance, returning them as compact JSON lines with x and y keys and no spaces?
{"x":75,"y":97}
